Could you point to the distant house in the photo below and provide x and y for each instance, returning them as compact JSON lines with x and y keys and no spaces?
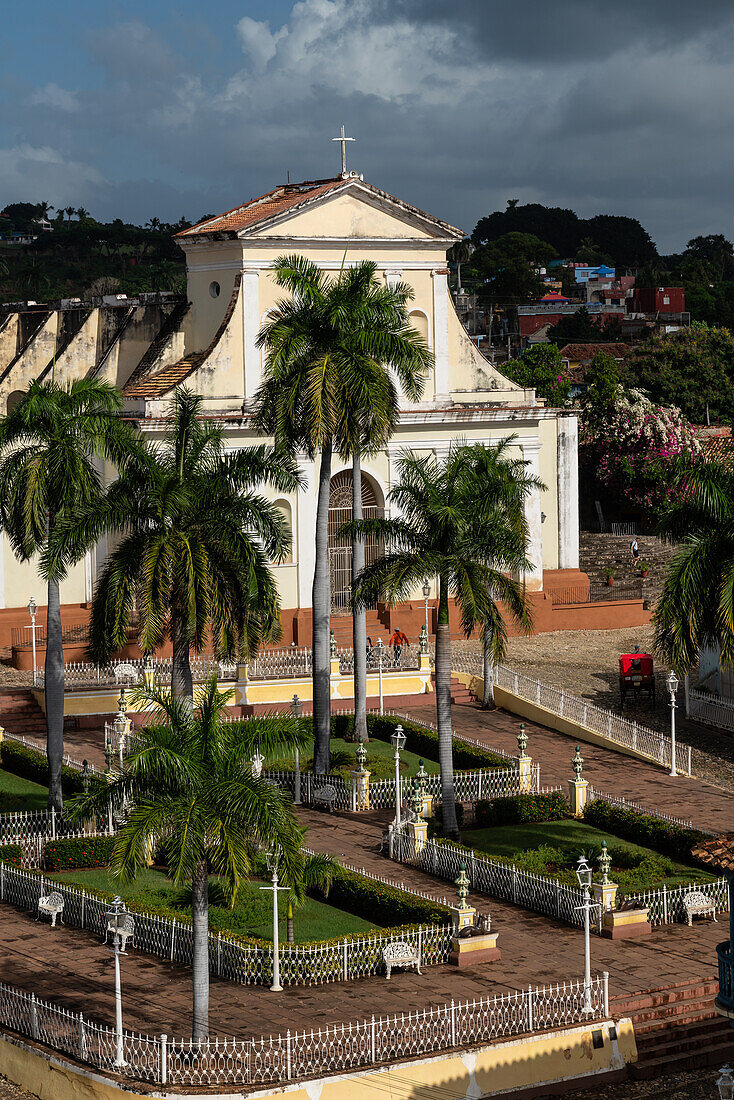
{"x":536,"y":318}
{"x":660,"y":299}
{"x":577,"y":358}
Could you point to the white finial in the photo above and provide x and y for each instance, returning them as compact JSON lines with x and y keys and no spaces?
{"x":344,"y":141}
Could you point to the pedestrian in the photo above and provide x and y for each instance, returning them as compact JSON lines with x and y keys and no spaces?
{"x":634,"y":551}
{"x":369,"y":652}
{"x":397,"y":641}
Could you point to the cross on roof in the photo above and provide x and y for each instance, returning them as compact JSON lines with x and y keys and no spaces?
{"x":343,"y":140}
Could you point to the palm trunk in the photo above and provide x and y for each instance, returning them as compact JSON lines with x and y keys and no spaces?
{"x":182,"y":682}
{"x":54,"y":693}
{"x":443,"y":711}
{"x":488,"y":671}
{"x":359,"y":615}
{"x":321,"y":605}
{"x":200,"y":961}
{"x":290,"y":931}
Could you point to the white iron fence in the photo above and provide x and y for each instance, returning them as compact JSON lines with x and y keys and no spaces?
{"x":614,"y":727}
{"x":249,"y":964}
{"x":308,"y":1053}
{"x":469,"y":786}
{"x":543,"y":895}
{"x":666,"y":904}
{"x":713,"y":710}
{"x":31,"y":829}
{"x":39,"y":746}
{"x":84,"y":674}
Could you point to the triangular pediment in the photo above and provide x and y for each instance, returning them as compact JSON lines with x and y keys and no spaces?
{"x":350,"y":212}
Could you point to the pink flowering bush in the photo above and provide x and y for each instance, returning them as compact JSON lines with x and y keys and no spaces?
{"x":631,"y":450}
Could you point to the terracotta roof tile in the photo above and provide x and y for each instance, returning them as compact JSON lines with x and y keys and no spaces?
{"x":585,"y":352}
{"x":718,"y":852}
{"x":282,"y":198}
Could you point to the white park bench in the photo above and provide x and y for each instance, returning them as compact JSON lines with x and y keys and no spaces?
{"x":400,"y":954}
{"x":124,"y":926}
{"x":695,"y":903}
{"x":52,"y":905}
{"x":125,"y":672}
{"x":325,"y":796}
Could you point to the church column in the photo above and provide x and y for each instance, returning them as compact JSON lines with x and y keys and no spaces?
{"x":568,"y":492}
{"x":250,"y":329}
{"x":441,"y":333}
{"x":534,"y":575}
{"x":305,"y":521}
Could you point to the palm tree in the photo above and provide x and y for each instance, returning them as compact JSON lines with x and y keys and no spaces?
{"x":442,"y":533}
{"x":196,"y":538}
{"x":193,"y":790}
{"x":502,"y":484}
{"x":326,"y":389}
{"x":315,"y":872}
{"x":460,"y":253}
{"x":69,"y":211}
{"x":48,"y":444}
{"x":696,"y":608}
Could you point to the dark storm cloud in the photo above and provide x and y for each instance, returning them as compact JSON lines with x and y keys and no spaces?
{"x":456,"y":108}
{"x":533,"y":30}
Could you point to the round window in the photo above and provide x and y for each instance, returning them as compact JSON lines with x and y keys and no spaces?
{"x":214,"y":289}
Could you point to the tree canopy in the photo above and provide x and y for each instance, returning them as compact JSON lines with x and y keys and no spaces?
{"x":692,"y":369}
{"x":540,"y":366}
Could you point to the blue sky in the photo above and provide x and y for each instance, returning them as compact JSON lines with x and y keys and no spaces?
{"x":163,"y":109}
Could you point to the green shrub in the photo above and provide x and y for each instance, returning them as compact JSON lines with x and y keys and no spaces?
{"x":424,"y":742}
{"x":520,"y":808}
{"x":376,"y":901}
{"x":643,"y":829}
{"x":31,"y":764}
{"x":76,"y":853}
{"x":12,"y":854}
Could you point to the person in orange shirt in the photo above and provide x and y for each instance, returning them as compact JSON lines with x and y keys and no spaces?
{"x":397,"y":641}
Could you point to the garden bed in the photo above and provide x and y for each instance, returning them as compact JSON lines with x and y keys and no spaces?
{"x":343,"y":760}
{"x":552,"y":848}
{"x":17,"y":793}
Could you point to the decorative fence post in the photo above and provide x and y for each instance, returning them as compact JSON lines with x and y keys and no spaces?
{"x":416,"y":828}
{"x":163,"y":1072}
{"x":524,"y":762}
{"x":578,"y":786}
{"x":360,"y":781}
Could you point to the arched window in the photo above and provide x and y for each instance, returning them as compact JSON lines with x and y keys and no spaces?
{"x":419,"y":321}
{"x":14,"y":399}
{"x":284,"y":508}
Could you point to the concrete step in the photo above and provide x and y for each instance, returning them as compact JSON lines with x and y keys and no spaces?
{"x":628,"y":1004}
{"x":671,"y":1062}
{"x":689,"y":1036}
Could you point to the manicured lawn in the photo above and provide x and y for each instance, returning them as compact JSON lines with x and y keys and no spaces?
{"x":21,"y":794}
{"x":380,"y":759}
{"x":252,"y":913}
{"x":553,"y":847}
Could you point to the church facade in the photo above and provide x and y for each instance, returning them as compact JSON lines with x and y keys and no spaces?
{"x":209,"y":343}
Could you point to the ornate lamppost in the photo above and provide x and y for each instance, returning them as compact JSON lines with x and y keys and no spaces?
{"x":380,"y":651}
{"x":271,"y":859}
{"x":115,"y":916}
{"x":398,"y":742}
{"x":32,"y":609}
{"x":296,"y":709}
{"x":583,"y":874}
{"x":426,"y":594}
{"x":672,"y":685}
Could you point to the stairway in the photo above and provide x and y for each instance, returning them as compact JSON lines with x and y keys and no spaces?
{"x":342,"y":627}
{"x":21,"y":715}
{"x":599,"y":552}
{"x":676,"y":1029}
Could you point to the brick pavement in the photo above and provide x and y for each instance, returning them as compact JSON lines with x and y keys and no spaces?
{"x":707,"y":806}
{"x":73,"y":968}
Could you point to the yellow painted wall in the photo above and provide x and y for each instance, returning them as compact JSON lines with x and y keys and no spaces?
{"x":22,"y":581}
{"x":469,"y":370}
{"x":8,"y":340}
{"x":502,"y":1066}
{"x":547,"y":433}
{"x":347,"y":216}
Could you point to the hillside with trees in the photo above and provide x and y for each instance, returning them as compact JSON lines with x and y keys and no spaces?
{"x":81,"y":258}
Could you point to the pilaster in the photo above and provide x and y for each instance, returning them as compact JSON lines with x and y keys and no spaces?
{"x":567,"y":475}
{"x":441,"y":334}
{"x":533,"y":514}
{"x":250,"y":328}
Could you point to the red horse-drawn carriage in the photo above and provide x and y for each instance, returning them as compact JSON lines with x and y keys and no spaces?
{"x":636,"y":674}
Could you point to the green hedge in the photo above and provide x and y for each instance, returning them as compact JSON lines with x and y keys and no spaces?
{"x":77,"y":853}
{"x":12,"y":854}
{"x":29,"y":763}
{"x":520,"y":808}
{"x":650,"y":832}
{"x":376,"y":901}
{"x":420,"y":740}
